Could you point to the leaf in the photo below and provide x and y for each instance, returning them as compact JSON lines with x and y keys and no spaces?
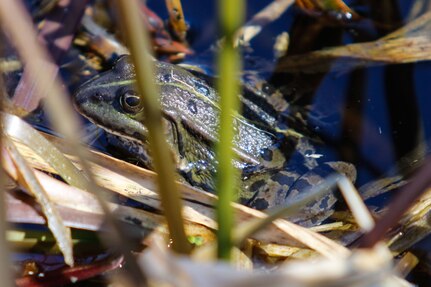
{"x":27,"y":179}
{"x":409,"y":44}
{"x":139,"y":184}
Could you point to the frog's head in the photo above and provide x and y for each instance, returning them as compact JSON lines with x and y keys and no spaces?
{"x":188,"y":103}
{"x":110,"y":101}
{"x":190,"y":118}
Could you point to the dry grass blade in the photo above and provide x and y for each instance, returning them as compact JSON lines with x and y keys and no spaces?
{"x":28,"y":180}
{"x":413,"y":226}
{"x":57,"y":32}
{"x":264,"y":17}
{"x":137,"y":39}
{"x":69,"y":196}
{"x":419,"y":8}
{"x":7,"y":66}
{"x":19,"y":211}
{"x":416,"y":27}
{"x":356,"y":204}
{"x":409,"y":44}
{"x":16,"y":128}
{"x":75,"y":201}
{"x":406,"y":264}
{"x":4,"y":247}
{"x":139,"y":184}
{"x":418,"y":184}
{"x":364,"y":268}
{"x":338,"y":225}
{"x":370,"y":267}
{"x":380,"y":186}
{"x":16,"y":21}
{"x":19,"y":27}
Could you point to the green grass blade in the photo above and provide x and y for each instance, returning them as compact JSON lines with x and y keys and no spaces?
{"x":137,"y":39}
{"x":229,"y":66}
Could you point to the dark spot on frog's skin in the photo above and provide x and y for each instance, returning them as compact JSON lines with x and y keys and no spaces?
{"x":250,"y":170}
{"x":260,"y":204}
{"x":267,"y":154}
{"x":302,"y":184}
{"x":296,"y":159}
{"x":191,"y":105}
{"x":283,"y":179}
{"x":201,"y":88}
{"x":166,"y":78}
{"x":257,"y":185}
{"x":324,"y":204}
{"x":189,"y":176}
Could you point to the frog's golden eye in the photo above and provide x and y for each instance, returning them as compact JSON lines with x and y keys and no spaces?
{"x":130,"y":102}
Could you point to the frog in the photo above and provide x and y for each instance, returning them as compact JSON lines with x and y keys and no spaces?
{"x":275,"y":165}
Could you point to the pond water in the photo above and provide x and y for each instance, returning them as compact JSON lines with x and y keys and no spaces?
{"x":372,"y":116}
{"x":377,"y":114}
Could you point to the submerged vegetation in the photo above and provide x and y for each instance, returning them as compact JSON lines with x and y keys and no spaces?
{"x":214,"y":178}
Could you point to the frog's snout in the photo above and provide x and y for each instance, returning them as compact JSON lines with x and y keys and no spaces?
{"x":82,"y":99}
{"x":89,"y":94}
{"x":79,"y":98}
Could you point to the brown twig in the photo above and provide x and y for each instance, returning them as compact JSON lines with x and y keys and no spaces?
{"x":57,"y":34}
{"x":15,"y":20}
{"x":408,"y":194}
{"x":408,"y":44}
{"x":267,"y":15}
{"x":21,"y":210}
{"x":4,"y":246}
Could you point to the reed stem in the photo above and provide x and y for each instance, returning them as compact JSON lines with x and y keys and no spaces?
{"x":138,"y":43}
{"x":229,"y":66}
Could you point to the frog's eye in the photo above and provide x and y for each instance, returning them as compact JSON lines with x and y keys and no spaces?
{"x":130,"y":102}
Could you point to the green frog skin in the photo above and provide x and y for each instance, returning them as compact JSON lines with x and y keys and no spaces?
{"x":274,"y":169}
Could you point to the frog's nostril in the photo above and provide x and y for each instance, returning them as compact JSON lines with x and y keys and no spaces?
{"x":97,"y":97}
{"x":82,"y":97}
